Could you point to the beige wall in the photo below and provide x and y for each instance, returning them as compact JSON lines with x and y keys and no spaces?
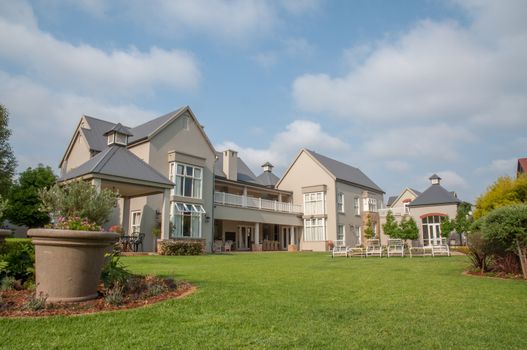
{"x":254,"y":215}
{"x":417,"y":212}
{"x":307,"y":172}
{"x":142,"y":151}
{"x":405,"y":196}
{"x":79,"y":154}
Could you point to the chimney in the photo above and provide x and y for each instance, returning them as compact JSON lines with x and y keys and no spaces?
{"x":230,"y":164}
{"x":435,"y":179}
{"x":268,"y":167}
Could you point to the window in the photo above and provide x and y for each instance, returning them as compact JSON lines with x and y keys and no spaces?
{"x":340,"y":202}
{"x":188,"y":180}
{"x":432,"y":230}
{"x":356,"y":205}
{"x":315,"y":229}
{"x":314,"y":203}
{"x":370,"y":204}
{"x":341,"y":236}
{"x":186,"y":220}
{"x":135,"y":224}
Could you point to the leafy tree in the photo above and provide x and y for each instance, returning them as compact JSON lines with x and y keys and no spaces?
{"x":409,"y":229}
{"x":460,"y":224}
{"x":391,"y":227}
{"x":7,"y":158}
{"x":3,"y":207}
{"x":447,"y":226}
{"x":507,"y":226}
{"x":505,"y":191}
{"x":24,"y":202}
{"x":368,"y":231}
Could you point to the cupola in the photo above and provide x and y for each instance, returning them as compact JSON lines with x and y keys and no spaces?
{"x":435,"y":179}
{"x":118,"y":135}
{"x":268,"y":167}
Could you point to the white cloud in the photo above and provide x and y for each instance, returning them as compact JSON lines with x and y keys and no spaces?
{"x":499,"y":167}
{"x":397,"y":166}
{"x":451,"y":180}
{"x":437,"y":70}
{"x":45,"y":119}
{"x":433,"y":142}
{"x":286,"y":144}
{"x":87,"y":68}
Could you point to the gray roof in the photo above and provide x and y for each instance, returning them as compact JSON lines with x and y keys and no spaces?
{"x":417,"y":193}
{"x":345,"y":172}
{"x":391,"y":199}
{"x":435,"y":194}
{"x":118,"y":161}
{"x":95,"y":135}
{"x":268,"y":179}
{"x":119,"y":128}
{"x":244,"y":173}
{"x":143,"y":131}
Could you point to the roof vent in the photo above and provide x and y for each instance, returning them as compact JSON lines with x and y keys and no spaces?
{"x":118,"y":135}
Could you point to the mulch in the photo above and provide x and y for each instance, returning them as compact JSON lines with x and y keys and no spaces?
{"x":13,"y":302}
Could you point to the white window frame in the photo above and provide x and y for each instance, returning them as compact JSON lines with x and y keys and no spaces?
{"x":314,"y":203}
{"x":180,"y":179}
{"x":315,"y":229}
{"x":180,"y":213}
{"x":356,"y":205}
{"x":340,"y":202}
{"x":135,"y":226}
{"x":341,"y":235}
{"x":370,"y":204}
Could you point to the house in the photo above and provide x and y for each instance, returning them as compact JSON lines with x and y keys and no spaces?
{"x":170,"y":177}
{"x":337,"y":200}
{"x":522,"y":166}
{"x":426,"y":208}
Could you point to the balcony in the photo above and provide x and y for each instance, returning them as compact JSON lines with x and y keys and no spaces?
{"x":255,"y":203}
{"x":397,"y":211}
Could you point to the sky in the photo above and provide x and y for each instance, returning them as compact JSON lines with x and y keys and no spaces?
{"x":399,"y":89}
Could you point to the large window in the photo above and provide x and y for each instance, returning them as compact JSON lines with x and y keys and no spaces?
{"x":188,"y":179}
{"x":315,"y":229}
{"x":341,"y":236}
{"x":186,"y":220}
{"x":314,"y":203}
{"x":340,"y":202}
{"x":432,"y":230}
{"x":356,"y":205}
{"x":370,"y":204}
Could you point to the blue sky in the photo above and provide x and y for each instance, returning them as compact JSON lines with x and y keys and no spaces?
{"x":399,"y":89}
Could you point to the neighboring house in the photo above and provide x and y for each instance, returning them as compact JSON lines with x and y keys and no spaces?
{"x":336,"y":199}
{"x":522,"y":166}
{"x":426,"y":208}
{"x":170,"y":176}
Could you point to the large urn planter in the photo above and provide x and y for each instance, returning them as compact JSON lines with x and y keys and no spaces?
{"x":4,"y":234}
{"x":68,"y":263}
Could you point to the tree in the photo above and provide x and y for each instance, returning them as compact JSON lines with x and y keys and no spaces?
{"x":391,"y":227}
{"x":368,"y":231}
{"x":409,"y":229}
{"x":24,"y":202}
{"x":463,"y":220}
{"x":505,"y":191}
{"x":7,"y":158}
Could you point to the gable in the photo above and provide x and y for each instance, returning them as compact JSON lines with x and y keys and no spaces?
{"x":406,"y":196}
{"x":304,"y":171}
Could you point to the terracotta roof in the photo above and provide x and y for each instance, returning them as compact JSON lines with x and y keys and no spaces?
{"x":522,"y":165}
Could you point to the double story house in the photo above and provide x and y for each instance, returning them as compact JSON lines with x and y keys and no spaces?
{"x":426,"y":208}
{"x":170,"y":177}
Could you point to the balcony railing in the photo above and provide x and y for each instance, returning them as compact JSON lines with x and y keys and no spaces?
{"x":397,"y":211}
{"x":255,"y":203}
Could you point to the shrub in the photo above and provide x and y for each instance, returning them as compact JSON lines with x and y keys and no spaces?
{"x":114,"y":273}
{"x":18,"y":259}
{"x":155,"y":289}
{"x":36,"y":302}
{"x":7,"y":283}
{"x":180,"y":248}
{"x":114,"y":296}
{"x":79,"y":199}
{"x":479,"y":251}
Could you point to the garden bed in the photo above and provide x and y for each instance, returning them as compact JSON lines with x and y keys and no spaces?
{"x":146,"y":291}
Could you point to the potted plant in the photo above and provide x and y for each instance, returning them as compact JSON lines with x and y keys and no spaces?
{"x":3,"y":233}
{"x":69,"y":255}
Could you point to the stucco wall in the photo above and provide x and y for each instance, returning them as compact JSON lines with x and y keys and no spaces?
{"x":79,"y":153}
{"x":417,"y":212}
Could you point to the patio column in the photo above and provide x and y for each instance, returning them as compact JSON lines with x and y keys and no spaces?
{"x":165,"y":215}
{"x":257,"y":246}
{"x":126,"y":215}
{"x":97,"y":184}
{"x":292,"y":235}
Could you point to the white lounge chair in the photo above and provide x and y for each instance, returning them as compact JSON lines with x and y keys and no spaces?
{"x":374,"y":248}
{"x":395,"y":247}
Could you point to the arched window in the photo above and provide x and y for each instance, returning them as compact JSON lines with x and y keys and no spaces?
{"x":432,"y":228}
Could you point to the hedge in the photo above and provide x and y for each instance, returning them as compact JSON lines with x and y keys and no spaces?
{"x":19,"y":254}
{"x":180,"y":248}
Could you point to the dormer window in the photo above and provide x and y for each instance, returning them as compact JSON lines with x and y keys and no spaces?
{"x":118,"y":135}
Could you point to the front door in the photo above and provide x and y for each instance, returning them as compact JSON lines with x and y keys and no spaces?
{"x":435,"y":234}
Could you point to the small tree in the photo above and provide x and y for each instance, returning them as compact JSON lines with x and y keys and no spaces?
{"x":79,"y":199}
{"x":504,"y":192}
{"x":7,"y":158}
{"x":409,"y":229}
{"x":368,"y":231}
{"x":24,"y":202}
{"x":391,"y":227}
{"x":448,"y":226}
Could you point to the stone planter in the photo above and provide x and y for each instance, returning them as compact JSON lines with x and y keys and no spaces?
{"x":4,"y":234}
{"x":291,"y":248}
{"x":68,"y":263}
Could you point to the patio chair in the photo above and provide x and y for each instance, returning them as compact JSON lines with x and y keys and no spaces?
{"x":374,"y":248}
{"x":137,"y":241}
{"x":395,"y":247}
{"x":339,"y":251}
{"x":356,"y":251}
{"x":228,"y":246}
{"x":420,"y":250}
{"x":441,"y":249}
{"x":218,"y":246}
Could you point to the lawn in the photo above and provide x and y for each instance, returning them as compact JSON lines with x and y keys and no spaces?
{"x":306,"y":300}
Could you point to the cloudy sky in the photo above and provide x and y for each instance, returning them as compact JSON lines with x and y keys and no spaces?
{"x":399,"y":89}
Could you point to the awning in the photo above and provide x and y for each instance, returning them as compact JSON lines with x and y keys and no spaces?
{"x":192,"y":208}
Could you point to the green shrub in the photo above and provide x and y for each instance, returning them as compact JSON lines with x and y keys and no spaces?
{"x":7,"y":283}
{"x":114,"y":273}
{"x":36,"y":302}
{"x":180,"y":248}
{"x":480,"y":251}
{"x":114,"y":296}
{"x":17,"y":257}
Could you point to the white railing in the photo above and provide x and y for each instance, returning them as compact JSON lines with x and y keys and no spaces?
{"x":397,"y":211}
{"x":256,"y":203}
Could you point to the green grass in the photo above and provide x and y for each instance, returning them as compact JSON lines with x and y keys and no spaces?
{"x":305,"y":300}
